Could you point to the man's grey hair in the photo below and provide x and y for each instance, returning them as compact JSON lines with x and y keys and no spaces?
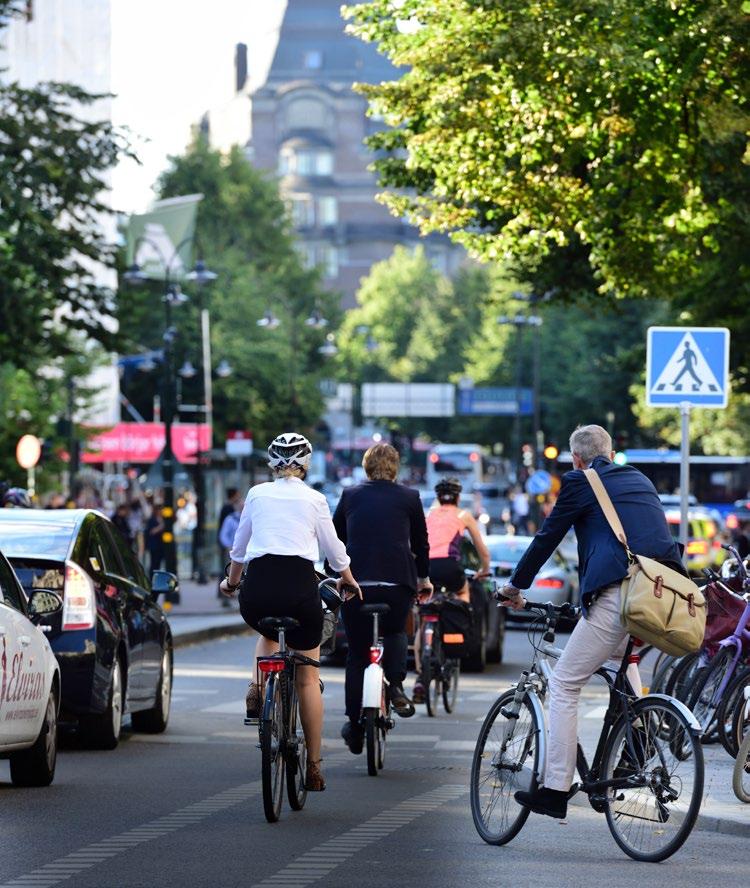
{"x":590,"y":441}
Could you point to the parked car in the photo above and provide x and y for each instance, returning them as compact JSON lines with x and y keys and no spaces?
{"x":557,"y":581}
{"x":29,"y":682}
{"x":703,"y":544}
{"x":111,"y":639}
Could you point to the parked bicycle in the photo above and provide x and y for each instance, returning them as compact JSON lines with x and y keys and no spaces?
{"x":439,"y":671}
{"x":713,"y":682}
{"x":649,"y":794}
{"x":376,"y":701}
{"x":741,"y":775}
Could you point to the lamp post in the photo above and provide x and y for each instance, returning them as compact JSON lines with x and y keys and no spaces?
{"x":173,"y":296}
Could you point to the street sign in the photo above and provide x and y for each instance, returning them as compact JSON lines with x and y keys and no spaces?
{"x":239,"y":443}
{"x":408,"y":399}
{"x":687,"y":365}
{"x":539,"y":482}
{"x":28,"y":451}
{"x":495,"y":401}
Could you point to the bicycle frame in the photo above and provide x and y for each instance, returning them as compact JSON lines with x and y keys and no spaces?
{"x":372,"y":688}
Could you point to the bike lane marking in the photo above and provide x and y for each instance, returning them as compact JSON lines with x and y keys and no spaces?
{"x":318,"y":862}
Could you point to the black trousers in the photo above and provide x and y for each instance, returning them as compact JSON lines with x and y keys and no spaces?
{"x":359,"y":636}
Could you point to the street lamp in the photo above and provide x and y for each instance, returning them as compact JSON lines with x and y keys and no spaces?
{"x":269,"y":321}
{"x":173,"y":296}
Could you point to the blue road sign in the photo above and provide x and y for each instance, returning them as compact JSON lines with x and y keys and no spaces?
{"x":538,"y":483}
{"x":687,"y":365}
{"x":495,"y":401}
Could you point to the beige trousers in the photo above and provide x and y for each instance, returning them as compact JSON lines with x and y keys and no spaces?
{"x":598,"y":637}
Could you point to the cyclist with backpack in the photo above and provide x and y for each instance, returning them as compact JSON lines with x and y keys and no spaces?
{"x":283,"y":523}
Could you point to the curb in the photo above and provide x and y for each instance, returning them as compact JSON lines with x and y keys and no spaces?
{"x":196,"y":636}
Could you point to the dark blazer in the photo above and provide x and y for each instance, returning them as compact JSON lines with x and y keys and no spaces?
{"x":601,"y":556}
{"x":382,"y":525}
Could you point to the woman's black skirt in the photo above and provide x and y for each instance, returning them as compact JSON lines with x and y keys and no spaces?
{"x":447,"y":573}
{"x":283,"y":586}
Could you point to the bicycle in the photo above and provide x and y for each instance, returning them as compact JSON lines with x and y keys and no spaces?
{"x":741,"y":775}
{"x":439,"y":672}
{"x":649,"y":795}
{"x":282,"y":742}
{"x":708,"y":692}
{"x":376,"y":717}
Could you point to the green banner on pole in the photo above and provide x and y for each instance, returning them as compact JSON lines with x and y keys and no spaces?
{"x":160,"y":241}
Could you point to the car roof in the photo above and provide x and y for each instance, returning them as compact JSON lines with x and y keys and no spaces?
{"x":60,"y":518}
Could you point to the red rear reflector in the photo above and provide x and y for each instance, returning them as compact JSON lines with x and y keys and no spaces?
{"x":271,"y":665}
{"x":375,"y":654}
{"x":549,"y":583}
{"x":474,"y":457}
{"x":430,"y":618}
{"x":453,"y":638}
{"x":434,"y":457}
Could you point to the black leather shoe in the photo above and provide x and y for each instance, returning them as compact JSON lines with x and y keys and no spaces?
{"x":400,"y":702}
{"x":354,"y":737}
{"x":552,"y":802}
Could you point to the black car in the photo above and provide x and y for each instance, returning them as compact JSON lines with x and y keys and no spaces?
{"x":112,"y":640}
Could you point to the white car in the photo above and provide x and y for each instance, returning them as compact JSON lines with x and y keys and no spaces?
{"x":29,"y":682}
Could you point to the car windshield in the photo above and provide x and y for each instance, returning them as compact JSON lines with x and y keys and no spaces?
{"x":31,"y":538}
{"x":509,"y":549}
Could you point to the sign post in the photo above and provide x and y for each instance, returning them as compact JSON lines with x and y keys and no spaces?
{"x":687,"y":367}
{"x":28,"y":451}
{"x":239,"y":443}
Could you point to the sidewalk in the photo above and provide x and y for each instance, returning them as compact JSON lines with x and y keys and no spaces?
{"x":200,"y":615}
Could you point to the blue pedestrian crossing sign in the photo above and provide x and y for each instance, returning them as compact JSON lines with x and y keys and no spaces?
{"x":687,"y":365}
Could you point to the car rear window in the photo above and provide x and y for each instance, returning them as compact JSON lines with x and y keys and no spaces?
{"x":30,"y":538}
{"x":39,"y":574}
{"x":510,"y":550}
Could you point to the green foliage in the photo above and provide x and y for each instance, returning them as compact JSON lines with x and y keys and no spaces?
{"x":53,"y":168}
{"x":243,"y":234}
{"x":612,"y":133}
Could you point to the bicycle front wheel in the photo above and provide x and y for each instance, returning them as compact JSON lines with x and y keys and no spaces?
{"x":703,"y":700}
{"x":506,"y":759}
{"x":272,"y":758}
{"x":652,"y":818}
{"x":296,"y":756}
{"x":732,"y":699}
{"x":741,"y":775}
{"x":451,"y":672}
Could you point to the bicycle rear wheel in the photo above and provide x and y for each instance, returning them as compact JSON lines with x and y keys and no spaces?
{"x":272,"y":758}
{"x":741,"y":720}
{"x":652,"y":819}
{"x":372,"y":741}
{"x":733,"y":698}
{"x":506,"y":759}
{"x":296,"y":756}
{"x":741,"y":775}
{"x":451,"y":672}
{"x":663,"y":669}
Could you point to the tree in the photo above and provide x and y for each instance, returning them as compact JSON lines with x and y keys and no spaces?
{"x":602,"y":140}
{"x":53,"y":168}
{"x":243,"y":232}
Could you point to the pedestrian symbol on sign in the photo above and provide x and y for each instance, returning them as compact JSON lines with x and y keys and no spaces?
{"x":687,"y":360}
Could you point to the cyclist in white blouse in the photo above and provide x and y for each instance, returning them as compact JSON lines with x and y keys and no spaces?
{"x":283,"y":524}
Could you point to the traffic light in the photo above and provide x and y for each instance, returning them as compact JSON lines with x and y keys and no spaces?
{"x":621,"y":458}
{"x":527,"y":452}
{"x":551,"y":452}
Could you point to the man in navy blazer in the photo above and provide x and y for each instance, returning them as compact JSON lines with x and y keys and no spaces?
{"x":602,"y":566}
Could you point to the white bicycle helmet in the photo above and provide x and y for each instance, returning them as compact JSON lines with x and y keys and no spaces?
{"x":289,"y":449}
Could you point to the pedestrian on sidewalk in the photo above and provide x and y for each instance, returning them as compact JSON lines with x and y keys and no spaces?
{"x":154,"y":537}
{"x":227,"y":533}
{"x":232,"y":497}
{"x":383,"y":526}
{"x":603,"y":564}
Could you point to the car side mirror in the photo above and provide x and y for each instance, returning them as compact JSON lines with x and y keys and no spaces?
{"x":165,"y":583}
{"x":44,"y":603}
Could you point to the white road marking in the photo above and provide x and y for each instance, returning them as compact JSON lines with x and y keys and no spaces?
{"x":455,"y":746}
{"x":319,"y":861}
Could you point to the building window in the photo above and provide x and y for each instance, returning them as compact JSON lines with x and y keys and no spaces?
{"x":328,"y":210}
{"x":328,"y":258}
{"x":307,"y":112}
{"x":306,"y":162}
{"x":303,"y":211}
{"x":313,"y":59}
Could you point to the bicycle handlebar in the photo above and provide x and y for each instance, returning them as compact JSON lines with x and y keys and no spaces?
{"x":740,"y":563}
{"x":560,"y":610}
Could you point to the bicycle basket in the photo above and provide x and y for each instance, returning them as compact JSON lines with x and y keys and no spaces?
{"x":456,"y":627}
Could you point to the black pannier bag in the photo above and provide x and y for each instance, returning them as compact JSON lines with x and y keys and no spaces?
{"x":457,"y":627}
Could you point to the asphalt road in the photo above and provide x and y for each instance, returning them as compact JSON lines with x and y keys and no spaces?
{"x":184,"y":809}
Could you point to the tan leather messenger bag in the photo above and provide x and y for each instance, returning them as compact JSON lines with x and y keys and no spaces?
{"x":657,"y":604}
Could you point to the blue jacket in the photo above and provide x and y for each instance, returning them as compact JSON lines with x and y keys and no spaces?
{"x":601,"y":556}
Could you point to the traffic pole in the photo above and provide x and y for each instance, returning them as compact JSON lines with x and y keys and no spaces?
{"x":684,"y":475}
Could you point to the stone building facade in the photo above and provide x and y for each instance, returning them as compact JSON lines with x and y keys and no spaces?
{"x":308,"y":127}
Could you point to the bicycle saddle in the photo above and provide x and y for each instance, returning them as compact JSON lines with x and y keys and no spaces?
{"x":278,"y":623}
{"x":374,"y":608}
